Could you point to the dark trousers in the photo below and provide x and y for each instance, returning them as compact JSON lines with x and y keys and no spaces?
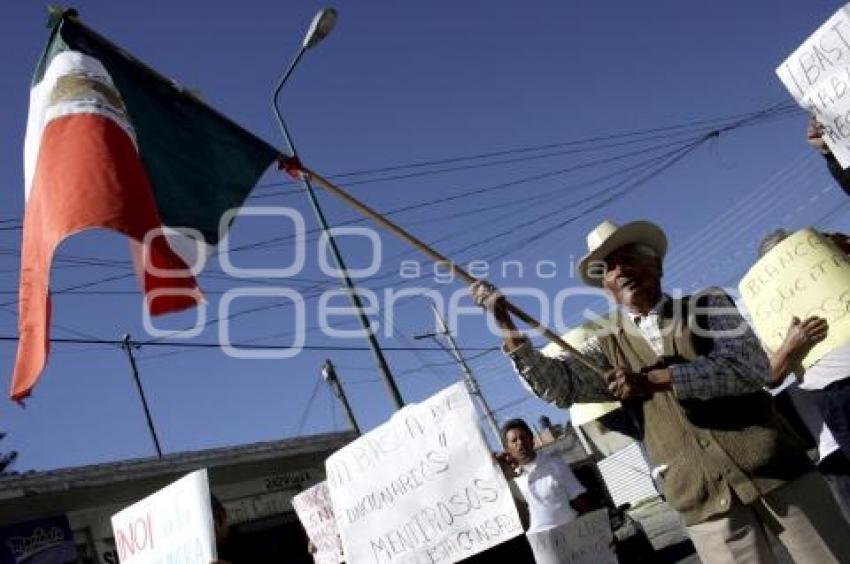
{"x":834,"y":405}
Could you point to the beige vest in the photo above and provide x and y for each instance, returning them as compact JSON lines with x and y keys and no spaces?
{"x":712,"y":447}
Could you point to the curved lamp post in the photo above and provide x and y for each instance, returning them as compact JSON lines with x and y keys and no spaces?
{"x":320,"y":27}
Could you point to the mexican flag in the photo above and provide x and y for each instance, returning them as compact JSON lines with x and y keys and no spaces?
{"x":111,"y":143}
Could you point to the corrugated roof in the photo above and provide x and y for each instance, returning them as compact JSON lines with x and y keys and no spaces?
{"x":127,"y":470}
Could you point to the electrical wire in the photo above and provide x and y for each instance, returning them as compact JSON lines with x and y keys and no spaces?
{"x":778,"y":108}
{"x":505,"y":233}
{"x":194,"y":345}
{"x":305,"y":414}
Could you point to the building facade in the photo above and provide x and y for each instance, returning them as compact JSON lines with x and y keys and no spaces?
{"x":254,"y":482}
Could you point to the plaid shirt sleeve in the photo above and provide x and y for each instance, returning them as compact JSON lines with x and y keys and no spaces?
{"x":737,"y":363}
{"x":563,"y":380}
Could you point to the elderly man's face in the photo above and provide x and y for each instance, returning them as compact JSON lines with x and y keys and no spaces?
{"x":633,"y":278}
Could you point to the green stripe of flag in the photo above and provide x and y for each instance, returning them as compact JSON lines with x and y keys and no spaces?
{"x":200,"y":163}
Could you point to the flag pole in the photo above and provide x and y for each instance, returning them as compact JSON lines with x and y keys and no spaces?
{"x":293,"y":166}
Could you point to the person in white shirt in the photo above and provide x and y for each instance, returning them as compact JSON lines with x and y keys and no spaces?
{"x":548,"y":486}
{"x":823,"y":399}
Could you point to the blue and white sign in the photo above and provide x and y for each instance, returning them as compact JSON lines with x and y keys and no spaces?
{"x":44,"y":541}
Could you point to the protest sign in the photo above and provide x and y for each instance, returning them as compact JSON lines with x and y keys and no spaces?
{"x":586,"y":540}
{"x":804,"y":275}
{"x":817,"y":75}
{"x":43,"y":540}
{"x":173,"y":525}
{"x":315,"y":511}
{"x":422,"y":487}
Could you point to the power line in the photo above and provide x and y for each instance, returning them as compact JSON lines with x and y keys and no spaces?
{"x":713,"y":134}
{"x":505,"y":162}
{"x":628,"y":189}
{"x":178,"y":344}
{"x":498,"y":187}
{"x":677,"y":154}
{"x":80,"y":334}
{"x":778,"y":108}
{"x":419,"y":368}
{"x":303,"y":419}
{"x":675,"y":157}
{"x":748,"y":119}
{"x":468,"y":193}
{"x":741,"y":120}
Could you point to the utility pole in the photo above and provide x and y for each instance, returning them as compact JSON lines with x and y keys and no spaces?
{"x":128,"y":345}
{"x":7,"y":459}
{"x":468,"y":376}
{"x":329,"y":374}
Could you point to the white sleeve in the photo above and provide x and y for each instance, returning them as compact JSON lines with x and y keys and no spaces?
{"x":568,"y":478}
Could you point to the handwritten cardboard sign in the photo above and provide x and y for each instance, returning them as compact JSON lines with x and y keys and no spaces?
{"x":316,"y":513}
{"x":817,"y":75}
{"x":422,"y":487}
{"x":174,"y":524}
{"x":586,"y":540}
{"x":804,"y":275}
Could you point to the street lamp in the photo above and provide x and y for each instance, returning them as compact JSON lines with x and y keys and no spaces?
{"x":320,"y":27}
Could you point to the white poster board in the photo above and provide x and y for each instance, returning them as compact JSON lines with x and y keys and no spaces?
{"x":174,"y":524}
{"x":817,"y":75}
{"x":315,"y":511}
{"x":586,"y":540}
{"x":422,"y":487}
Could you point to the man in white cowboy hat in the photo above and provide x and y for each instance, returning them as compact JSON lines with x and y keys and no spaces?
{"x":692,"y":374}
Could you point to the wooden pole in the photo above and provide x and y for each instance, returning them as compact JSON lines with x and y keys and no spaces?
{"x":330,"y":376}
{"x":434,"y":255}
{"x":127,"y":344}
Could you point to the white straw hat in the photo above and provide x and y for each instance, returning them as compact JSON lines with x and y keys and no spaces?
{"x":607,"y":237}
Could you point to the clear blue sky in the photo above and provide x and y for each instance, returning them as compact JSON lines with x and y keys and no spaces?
{"x":400,"y":83}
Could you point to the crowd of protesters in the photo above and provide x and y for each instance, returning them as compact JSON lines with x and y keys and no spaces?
{"x":695,"y":378}
{"x":696,"y":381}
